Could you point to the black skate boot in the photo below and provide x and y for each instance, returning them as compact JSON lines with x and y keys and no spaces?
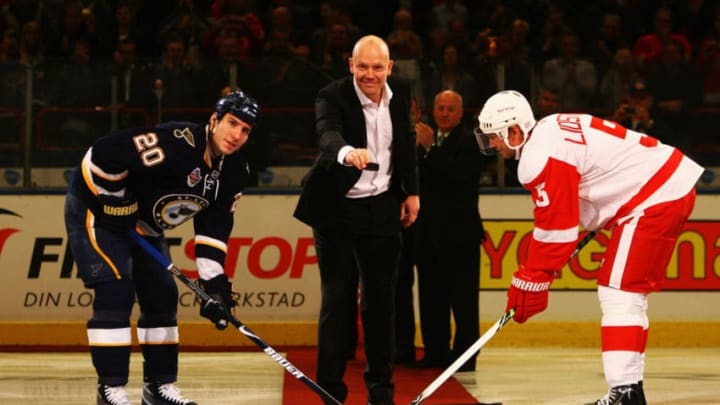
{"x":630,"y":394}
{"x":109,"y":395}
{"x":163,"y":394}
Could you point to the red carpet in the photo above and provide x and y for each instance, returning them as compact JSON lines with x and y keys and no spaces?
{"x":408,"y":383}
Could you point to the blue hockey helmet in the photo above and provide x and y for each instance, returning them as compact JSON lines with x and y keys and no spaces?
{"x":240,"y":105}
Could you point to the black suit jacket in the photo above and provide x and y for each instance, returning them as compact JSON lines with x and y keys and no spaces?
{"x":340,"y":122}
{"x":449,"y":184}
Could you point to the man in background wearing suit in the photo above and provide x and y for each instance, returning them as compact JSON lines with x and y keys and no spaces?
{"x":357,"y":196}
{"x":449,"y":231}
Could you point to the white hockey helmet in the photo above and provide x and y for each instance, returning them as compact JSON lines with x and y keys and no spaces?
{"x":501,"y":111}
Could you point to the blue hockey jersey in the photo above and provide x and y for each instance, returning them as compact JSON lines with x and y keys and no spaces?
{"x":165,"y":170}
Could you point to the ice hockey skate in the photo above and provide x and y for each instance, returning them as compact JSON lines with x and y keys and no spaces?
{"x":631,"y":394}
{"x":109,"y":395}
{"x":163,"y":394}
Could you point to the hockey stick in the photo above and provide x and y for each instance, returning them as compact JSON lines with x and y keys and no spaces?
{"x":289,"y":367}
{"x":495,"y":328}
{"x":440,"y":380}
{"x":590,"y":235}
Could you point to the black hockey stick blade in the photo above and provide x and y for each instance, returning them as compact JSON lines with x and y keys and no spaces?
{"x":289,"y":367}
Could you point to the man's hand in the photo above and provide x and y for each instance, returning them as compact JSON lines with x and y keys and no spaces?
{"x":409,"y":210}
{"x":358,"y":158}
{"x":424,"y":135}
{"x":528,"y":293}
{"x":116,"y":214}
{"x":218,"y":309}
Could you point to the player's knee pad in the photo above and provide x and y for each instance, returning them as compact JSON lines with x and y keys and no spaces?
{"x":158,"y":307}
{"x":157,"y":319}
{"x":623,"y":307}
{"x":156,"y":327}
{"x":113,"y":304}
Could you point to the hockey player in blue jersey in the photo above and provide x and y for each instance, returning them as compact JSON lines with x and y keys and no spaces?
{"x":153,"y":179}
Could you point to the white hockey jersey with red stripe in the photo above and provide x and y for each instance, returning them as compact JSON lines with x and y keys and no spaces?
{"x":585,"y":171}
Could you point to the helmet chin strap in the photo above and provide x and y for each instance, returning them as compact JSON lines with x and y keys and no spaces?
{"x":518,"y":147}
{"x":214,"y":152}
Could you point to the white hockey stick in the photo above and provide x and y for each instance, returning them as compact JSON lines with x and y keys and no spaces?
{"x":455,"y":366}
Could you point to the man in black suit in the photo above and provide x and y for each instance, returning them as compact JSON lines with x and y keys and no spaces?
{"x":361,"y":190}
{"x":404,"y":299}
{"x":449,"y":231}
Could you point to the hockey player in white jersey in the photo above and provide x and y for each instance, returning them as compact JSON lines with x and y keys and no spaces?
{"x":582,"y":170}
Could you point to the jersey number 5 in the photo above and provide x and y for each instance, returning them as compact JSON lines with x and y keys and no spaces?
{"x":147,"y":146}
{"x":543,"y":199}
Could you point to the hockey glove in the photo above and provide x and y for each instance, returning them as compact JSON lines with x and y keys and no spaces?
{"x":218,"y":308}
{"x":116,"y":214}
{"x":528,"y":293}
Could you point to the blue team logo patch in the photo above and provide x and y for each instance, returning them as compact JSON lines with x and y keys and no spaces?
{"x":194,"y":177}
{"x":174,"y":209}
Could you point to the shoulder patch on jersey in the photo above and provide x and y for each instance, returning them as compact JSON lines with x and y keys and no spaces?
{"x":185,"y":134}
{"x":194,"y":177}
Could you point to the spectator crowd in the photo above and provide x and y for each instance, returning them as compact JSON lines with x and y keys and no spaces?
{"x":162,"y":56}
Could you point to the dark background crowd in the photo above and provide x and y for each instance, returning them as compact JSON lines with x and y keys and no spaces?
{"x":93,"y":65}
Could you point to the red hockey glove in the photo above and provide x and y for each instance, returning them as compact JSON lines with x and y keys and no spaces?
{"x":528,"y":293}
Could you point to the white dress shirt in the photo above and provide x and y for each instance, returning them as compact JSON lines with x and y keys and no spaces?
{"x":378,"y":125}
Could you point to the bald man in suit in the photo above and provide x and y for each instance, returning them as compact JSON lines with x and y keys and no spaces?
{"x":357,"y":196}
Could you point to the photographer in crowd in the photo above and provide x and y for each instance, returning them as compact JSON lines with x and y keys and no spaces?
{"x":636,"y":112}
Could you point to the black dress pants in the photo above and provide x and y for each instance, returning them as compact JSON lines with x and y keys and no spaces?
{"x":404,"y":303}
{"x":367,"y":237}
{"x":448,"y":285}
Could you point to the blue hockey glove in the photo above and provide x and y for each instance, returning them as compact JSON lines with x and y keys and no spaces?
{"x":116,"y":214}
